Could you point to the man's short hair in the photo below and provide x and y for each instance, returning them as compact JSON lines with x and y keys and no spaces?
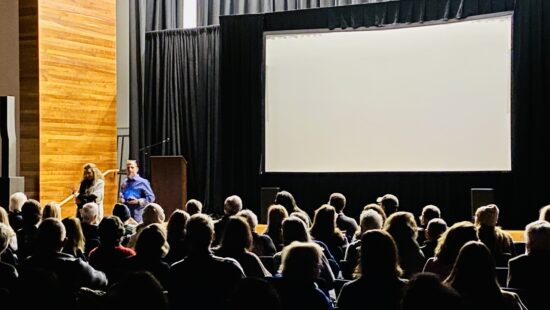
{"x":370,"y":219}
{"x":193,"y":206}
{"x":545,"y":213}
{"x":31,"y":212}
{"x":429,"y":212}
{"x":132,"y":162}
{"x":89,"y":212}
{"x":232,"y":205}
{"x":153,"y":213}
{"x":435,"y":228}
{"x":338,"y":201}
{"x":51,"y":234}
{"x":537,"y":236}
{"x":200,"y":231}
{"x":390,"y":203}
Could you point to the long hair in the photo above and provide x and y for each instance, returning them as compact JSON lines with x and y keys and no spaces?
{"x":452,"y":240}
{"x":324,"y":224}
{"x":294,"y":229}
{"x":95,"y":170}
{"x":379,"y":258}
{"x":75,"y":236}
{"x":237,"y":236}
{"x":474,"y":276}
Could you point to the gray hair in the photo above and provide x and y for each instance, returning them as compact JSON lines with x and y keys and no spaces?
{"x":537,"y":236}
{"x":89,"y":212}
{"x":250,"y":218}
{"x":16,"y":201}
{"x":232,"y":205}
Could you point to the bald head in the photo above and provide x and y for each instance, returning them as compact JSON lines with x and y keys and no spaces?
{"x":232,"y":205}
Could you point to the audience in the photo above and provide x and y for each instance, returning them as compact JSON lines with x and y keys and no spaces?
{"x":324,"y":229}
{"x":175,"y":234}
{"x":152,"y":214}
{"x":369,"y":219}
{"x":27,"y":234}
{"x":425,"y":291}
{"x":253,"y":294}
{"x":429,"y":212}
{"x":123,"y":213}
{"x":8,"y":273}
{"x":137,"y":290}
{"x":389,"y":203}
{"x":276,"y":214}
{"x":545,"y":213}
{"x":15,"y":217}
{"x":435,"y":228}
{"x":9,"y":255}
{"x":286,"y":200}
{"x":193,"y":206}
{"x":74,"y":243}
{"x":89,"y":214}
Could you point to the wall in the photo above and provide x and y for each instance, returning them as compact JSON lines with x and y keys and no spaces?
{"x":76,"y":99}
{"x":9,"y":55}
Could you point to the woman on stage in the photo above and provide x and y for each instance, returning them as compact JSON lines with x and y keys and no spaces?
{"x":91,"y":189}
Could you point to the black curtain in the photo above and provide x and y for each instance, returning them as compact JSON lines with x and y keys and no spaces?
{"x":145,"y":15}
{"x":209,"y":11}
{"x":518,"y":193}
{"x":182,"y":104}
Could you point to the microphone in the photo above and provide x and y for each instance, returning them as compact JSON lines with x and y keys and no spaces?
{"x":145,"y":148}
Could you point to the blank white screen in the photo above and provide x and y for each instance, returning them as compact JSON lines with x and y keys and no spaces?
{"x":427,"y":98}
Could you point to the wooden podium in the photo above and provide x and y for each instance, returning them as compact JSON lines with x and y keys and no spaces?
{"x":169,"y":182}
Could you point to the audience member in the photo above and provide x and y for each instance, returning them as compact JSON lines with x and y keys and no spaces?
{"x":474,"y":277}
{"x":16,"y":203}
{"x":231,"y":206}
{"x":389,"y":203}
{"x":236,"y":243}
{"x":448,"y":246}
{"x":275,"y":217}
{"x":498,"y":241}
{"x":123,"y":213}
{"x":435,"y":228}
{"x":262,"y":245}
{"x":300,"y":268}
{"x":429,"y":212}
{"x":402,"y":227}
{"x":254,"y":293}
{"x":369,"y":219}
{"x":343,"y":222}
{"x":379,"y":285}
{"x":378,"y":209}
{"x":425,"y":291}
{"x":89,"y":215}
{"x":286,"y":200}
{"x":9,"y":256}
{"x":544,"y":214}
{"x":137,"y":290}
{"x":324,"y":229}
{"x":74,"y":243}
{"x":175,"y":234}
{"x":51,"y":209}
{"x":152,"y":214}
{"x":193,"y":206}
{"x":8,"y":273}
{"x":202,"y":280}
{"x":26,"y":236}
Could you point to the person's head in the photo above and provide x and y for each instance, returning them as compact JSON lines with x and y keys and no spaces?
{"x":369,"y":220}
{"x":111,"y":230}
{"x":134,"y":290}
{"x":338,"y":201}
{"x":237,"y":235}
{"x":176,"y":225}
{"x":401,"y":226}
{"x":31,"y":212}
{"x":232,"y":205}
{"x":16,"y":202}
{"x":89,"y":213}
{"x":324,"y":221}
{"x":122,"y":212}
{"x":429,"y":212}
{"x":153,"y":213}
{"x":389,"y":203}
{"x":301,"y":261}
{"x":251,"y":292}
{"x":487,"y":215}
{"x":286,"y":200}
{"x":193,"y":206}
{"x":200,"y":232}
{"x":74,"y":234}
{"x":51,"y":209}
{"x":425,"y":291}
{"x":537,"y":237}
{"x":132,"y":168}
{"x":51,"y":235}
{"x":544,"y":214}
{"x":303,"y":216}
{"x":152,"y":242}
{"x":4,"y":218}
{"x":452,"y":240}
{"x":250,"y":217}
{"x":378,"y":209}
{"x":436,"y":227}
{"x":294,"y":229}
{"x":275,"y":216}
{"x":6,"y":233}
{"x":474,"y":269}
{"x":91,"y":173}
{"x":379,"y":255}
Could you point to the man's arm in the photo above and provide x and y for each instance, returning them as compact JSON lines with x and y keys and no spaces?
{"x":149,"y":195}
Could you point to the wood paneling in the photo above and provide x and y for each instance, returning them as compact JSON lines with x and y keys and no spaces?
{"x":76,"y":94}
{"x":28,"y":94}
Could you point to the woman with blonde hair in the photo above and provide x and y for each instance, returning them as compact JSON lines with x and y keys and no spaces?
{"x":275,"y":216}
{"x":8,"y":256}
{"x":16,"y":203}
{"x":91,"y":189}
{"x":74,"y":244}
{"x":51,"y":209}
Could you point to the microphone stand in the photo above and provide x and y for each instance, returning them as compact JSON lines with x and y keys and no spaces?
{"x":146,"y":153}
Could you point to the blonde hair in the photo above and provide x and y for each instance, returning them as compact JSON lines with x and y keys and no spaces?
{"x":95,"y":170}
{"x":16,"y":201}
{"x":51,"y":209}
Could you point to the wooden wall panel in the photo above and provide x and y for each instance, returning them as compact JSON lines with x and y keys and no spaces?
{"x":68,"y":95}
{"x":77,"y":42}
{"x":28,"y":79}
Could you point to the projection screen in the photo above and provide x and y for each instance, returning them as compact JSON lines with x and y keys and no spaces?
{"x":420,"y":98}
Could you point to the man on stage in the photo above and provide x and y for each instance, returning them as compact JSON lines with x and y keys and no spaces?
{"x":135,"y":191}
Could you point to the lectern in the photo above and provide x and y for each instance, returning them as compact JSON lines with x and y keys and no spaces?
{"x":169,"y":182}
